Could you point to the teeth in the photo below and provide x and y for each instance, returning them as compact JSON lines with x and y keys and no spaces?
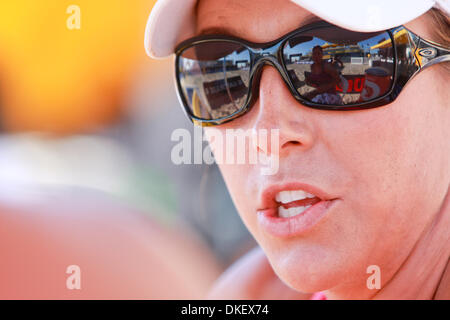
{"x":284,"y":197}
{"x":292,"y":195}
{"x":287,"y":213}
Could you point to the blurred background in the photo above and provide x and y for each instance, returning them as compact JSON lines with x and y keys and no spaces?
{"x":85,"y":171}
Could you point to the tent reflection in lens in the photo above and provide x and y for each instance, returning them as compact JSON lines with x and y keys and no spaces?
{"x":214,"y":77}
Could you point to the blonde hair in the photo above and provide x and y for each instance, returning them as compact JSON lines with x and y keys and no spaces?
{"x":440,"y":28}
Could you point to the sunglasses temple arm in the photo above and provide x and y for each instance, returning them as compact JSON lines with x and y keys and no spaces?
{"x":429,"y":53}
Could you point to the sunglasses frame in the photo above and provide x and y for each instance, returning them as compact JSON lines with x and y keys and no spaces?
{"x":422,"y":54}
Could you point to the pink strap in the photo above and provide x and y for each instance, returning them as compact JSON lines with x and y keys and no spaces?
{"x":318,"y":296}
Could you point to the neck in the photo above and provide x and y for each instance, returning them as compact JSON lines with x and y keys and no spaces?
{"x":425,"y":273}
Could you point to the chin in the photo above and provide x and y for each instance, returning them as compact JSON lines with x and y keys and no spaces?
{"x":311,"y":271}
{"x":310,"y":283}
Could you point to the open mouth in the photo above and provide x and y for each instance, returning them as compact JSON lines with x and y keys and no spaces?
{"x":294,"y":202}
{"x":289,"y":210}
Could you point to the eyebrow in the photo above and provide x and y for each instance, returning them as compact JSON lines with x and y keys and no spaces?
{"x":234,"y":32}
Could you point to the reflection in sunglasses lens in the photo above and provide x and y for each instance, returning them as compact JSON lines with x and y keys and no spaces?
{"x":214,"y":78}
{"x":333,"y":66}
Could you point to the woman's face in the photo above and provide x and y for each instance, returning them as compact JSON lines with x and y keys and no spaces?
{"x":387,"y":168}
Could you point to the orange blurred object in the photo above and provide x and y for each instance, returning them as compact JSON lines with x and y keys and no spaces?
{"x":60,"y":80}
{"x":121,"y":254}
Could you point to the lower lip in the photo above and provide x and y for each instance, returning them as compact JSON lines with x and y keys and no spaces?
{"x":293,"y":226}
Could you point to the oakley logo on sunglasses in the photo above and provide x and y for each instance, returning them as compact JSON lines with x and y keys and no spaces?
{"x":428,"y":52}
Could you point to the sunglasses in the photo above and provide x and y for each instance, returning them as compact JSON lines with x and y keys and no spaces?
{"x":324,"y":66}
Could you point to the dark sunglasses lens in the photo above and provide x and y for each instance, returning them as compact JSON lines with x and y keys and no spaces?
{"x":334,"y":66}
{"x":214,"y":78}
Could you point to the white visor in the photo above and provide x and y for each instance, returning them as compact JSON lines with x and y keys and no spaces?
{"x":172,"y":20}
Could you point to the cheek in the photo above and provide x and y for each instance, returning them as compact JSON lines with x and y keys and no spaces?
{"x":394,"y":161}
{"x":234,"y":173}
{"x":241,"y":179}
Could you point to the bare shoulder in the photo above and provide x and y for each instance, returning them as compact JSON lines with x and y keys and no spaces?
{"x":252,"y":277}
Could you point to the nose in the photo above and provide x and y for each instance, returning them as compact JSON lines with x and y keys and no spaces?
{"x":276,"y":108}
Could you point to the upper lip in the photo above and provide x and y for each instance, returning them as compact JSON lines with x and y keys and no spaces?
{"x":267,"y":196}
